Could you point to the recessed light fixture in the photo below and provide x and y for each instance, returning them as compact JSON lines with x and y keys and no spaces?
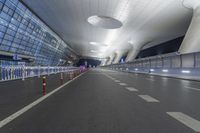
{"x":152,"y":70}
{"x":93,"y":43}
{"x":105,"y":22}
{"x":93,"y":51}
{"x":98,"y":44}
{"x":165,"y":70}
{"x":185,"y":71}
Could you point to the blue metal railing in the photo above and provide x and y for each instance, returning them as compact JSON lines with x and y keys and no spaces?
{"x":168,"y":64}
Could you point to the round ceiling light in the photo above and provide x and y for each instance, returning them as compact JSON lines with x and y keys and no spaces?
{"x":105,"y":22}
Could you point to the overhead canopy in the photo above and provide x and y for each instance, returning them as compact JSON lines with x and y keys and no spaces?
{"x":152,"y":21}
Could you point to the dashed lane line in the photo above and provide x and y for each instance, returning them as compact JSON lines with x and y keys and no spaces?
{"x":123,"y":84}
{"x":131,"y":89}
{"x":186,"y":120}
{"x":192,"y":88}
{"x":148,"y":98}
{"x":28,"y":107}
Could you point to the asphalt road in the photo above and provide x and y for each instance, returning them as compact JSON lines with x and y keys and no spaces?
{"x":102,"y":101}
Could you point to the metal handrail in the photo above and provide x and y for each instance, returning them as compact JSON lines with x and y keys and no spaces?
{"x":22,"y":72}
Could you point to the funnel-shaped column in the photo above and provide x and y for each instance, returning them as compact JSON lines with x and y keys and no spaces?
{"x":110,"y":61}
{"x":133,"y":52}
{"x":118,"y":56}
{"x":191,"y":42}
{"x":103,"y":62}
{"x":135,"y":49}
{"x":107,"y":60}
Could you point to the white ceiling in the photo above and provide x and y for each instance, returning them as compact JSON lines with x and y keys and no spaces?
{"x":143,"y":20}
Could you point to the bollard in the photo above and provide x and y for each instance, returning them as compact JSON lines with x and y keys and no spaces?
{"x":61,"y":78}
{"x":23,"y":73}
{"x":44,"y":86}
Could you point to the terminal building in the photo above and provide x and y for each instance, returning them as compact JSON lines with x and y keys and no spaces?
{"x":99,"y":66}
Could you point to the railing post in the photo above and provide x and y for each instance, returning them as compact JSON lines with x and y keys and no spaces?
{"x":194,"y":55}
{"x":38,"y":71}
{"x":61,"y":78}
{"x":48,"y":71}
{"x":23,"y":73}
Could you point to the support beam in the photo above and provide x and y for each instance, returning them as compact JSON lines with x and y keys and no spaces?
{"x":191,"y":41}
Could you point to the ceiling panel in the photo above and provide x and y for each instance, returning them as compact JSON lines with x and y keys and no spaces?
{"x":154,"y":20}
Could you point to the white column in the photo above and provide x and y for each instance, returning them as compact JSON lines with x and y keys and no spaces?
{"x":133,"y":52}
{"x":191,"y":42}
{"x":110,"y":59}
{"x":103,"y":62}
{"x":119,"y":55}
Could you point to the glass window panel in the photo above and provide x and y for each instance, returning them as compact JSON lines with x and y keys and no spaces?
{"x":10,"y":4}
{"x":2,"y":28}
{"x":13,"y":49}
{"x":5,"y":16}
{"x":10,"y":12}
{"x":4,"y":47}
{"x":21,"y":6}
{"x":3,"y":21}
{"x":1,"y":6}
{"x":2,"y":1}
{"x":15,"y":2}
{"x":1,"y":34}
{"x":15,"y":22}
{"x":5,"y":9}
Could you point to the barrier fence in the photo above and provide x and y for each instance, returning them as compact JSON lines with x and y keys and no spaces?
{"x":175,"y":64}
{"x":22,"y":72}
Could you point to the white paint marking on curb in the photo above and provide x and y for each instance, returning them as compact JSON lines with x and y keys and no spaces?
{"x":148,"y":98}
{"x":131,"y":89}
{"x":28,"y":107}
{"x":186,"y":120}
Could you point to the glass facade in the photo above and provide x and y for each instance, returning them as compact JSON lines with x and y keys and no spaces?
{"x":21,"y":32}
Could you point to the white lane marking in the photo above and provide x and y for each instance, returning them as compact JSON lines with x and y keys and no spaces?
{"x":150,"y":79}
{"x":131,"y":89}
{"x":117,"y":81}
{"x":186,"y":120}
{"x":28,"y":107}
{"x":192,"y":88}
{"x":123,"y":84}
{"x":148,"y":98}
{"x":109,"y":76}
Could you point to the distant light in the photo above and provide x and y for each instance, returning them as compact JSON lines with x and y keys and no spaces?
{"x":93,"y":43}
{"x":93,"y":51}
{"x":130,"y":42}
{"x":185,"y":71}
{"x":165,"y":70}
{"x":98,"y":44}
{"x":152,"y":70}
{"x":136,"y":69}
{"x":122,"y":61}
